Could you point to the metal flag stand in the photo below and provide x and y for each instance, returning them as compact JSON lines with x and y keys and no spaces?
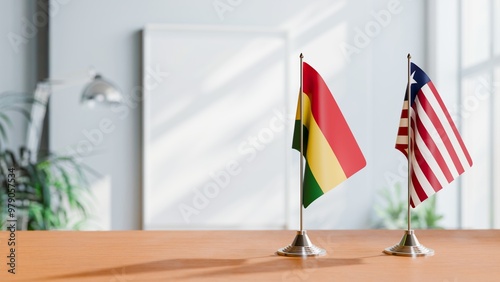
{"x":301,"y":245}
{"x":409,"y":245}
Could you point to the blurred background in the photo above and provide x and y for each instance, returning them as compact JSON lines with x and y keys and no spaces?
{"x":200,"y":135}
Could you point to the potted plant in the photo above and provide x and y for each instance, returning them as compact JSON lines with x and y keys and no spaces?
{"x":393,"y":213}
{"x":51,"y":192}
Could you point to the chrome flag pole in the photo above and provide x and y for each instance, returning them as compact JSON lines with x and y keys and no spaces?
{"x":409,"y":245}
{"x":301,"y":245}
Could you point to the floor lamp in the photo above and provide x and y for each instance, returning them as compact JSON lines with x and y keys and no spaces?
{"x":96,"y":90}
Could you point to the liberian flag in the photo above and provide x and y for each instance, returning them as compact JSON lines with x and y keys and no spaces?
{"x":331,"y":152}
{"x":438,"y":154}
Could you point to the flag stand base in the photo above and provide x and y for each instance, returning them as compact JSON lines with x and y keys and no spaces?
{"x":409,"y":247}
{"x":301,"y":247}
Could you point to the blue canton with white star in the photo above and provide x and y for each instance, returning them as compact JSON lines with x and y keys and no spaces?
{"x":418,"y":79}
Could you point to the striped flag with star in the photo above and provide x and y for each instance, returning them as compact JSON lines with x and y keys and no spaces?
{"x":332,"y":154}
{"x":438,"y":153}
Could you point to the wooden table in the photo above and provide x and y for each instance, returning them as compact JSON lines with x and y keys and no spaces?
{"x":461,"y":255}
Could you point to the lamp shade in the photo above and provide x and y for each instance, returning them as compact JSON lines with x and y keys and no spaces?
{"x":101,"y":90}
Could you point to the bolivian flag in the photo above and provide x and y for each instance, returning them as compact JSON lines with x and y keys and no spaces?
{"x":331,"y":152}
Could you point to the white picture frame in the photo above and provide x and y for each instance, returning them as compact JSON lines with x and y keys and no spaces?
{"x":208,"y":93}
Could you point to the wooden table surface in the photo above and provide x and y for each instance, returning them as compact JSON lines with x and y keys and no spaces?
{"x":354,"y":255}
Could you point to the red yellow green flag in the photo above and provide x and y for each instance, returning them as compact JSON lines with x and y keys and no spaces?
{"x":331,"y":152}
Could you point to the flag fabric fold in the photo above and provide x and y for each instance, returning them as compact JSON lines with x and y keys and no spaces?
{"x":438,"y":153}
{"x":332,"y":154}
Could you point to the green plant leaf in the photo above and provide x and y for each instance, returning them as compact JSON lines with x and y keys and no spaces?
{"x":392,"y":211}
{"x":53,"y":187}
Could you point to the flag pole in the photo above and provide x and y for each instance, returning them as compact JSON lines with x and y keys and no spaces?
{"x":409,"y":246}
{"x":301,"y":245}
{"x":301,"y":169}
{"x":408,"y":89}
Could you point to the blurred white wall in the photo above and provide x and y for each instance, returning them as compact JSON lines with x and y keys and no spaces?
{"x":359,"y":47}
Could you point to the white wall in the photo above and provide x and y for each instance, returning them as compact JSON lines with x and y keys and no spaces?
{"x":368,"y":85}
{"x":18,"y":53}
